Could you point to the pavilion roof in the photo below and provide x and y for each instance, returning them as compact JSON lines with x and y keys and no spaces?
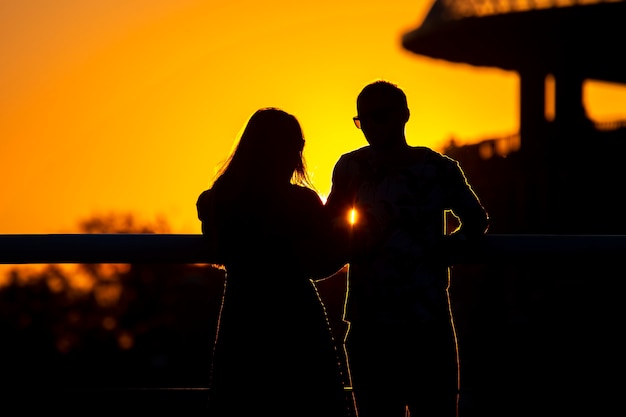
{"x":586,"y":36}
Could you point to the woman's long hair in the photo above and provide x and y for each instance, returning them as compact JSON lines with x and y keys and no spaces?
{"x":269,"y":150}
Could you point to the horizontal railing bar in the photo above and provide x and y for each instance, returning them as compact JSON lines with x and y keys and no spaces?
{"x":539,"y":247}
{"x":102,"y":248}
{"x":191,"y":248}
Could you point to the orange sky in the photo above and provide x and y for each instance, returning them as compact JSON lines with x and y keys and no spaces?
{"x":130,"y":105}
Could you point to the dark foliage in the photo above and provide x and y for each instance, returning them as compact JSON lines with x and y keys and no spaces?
{"x":156,"y":332}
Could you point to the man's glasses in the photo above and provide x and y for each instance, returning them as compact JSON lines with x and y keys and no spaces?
{"x":376,"y":116}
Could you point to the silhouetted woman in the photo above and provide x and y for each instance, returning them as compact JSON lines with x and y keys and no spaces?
{"x":274,"y":354}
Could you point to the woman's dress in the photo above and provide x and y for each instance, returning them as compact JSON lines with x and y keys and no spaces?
{"x":274,"y":353}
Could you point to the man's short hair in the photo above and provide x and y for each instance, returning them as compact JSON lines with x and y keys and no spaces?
{"x":382,"y":87}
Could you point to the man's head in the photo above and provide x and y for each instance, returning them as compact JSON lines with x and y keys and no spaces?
{"x":382,"y":113}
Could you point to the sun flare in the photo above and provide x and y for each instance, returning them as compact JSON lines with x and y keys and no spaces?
{"x":352,"y":216}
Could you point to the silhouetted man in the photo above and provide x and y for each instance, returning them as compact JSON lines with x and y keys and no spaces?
{"x":401,"y":343}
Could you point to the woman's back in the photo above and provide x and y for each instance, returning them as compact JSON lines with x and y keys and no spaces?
{"x":274,"y":353}
{"x":274,"y":343}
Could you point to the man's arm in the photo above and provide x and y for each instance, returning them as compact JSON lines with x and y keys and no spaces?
{"x":339,"y":203}
{"x":466,"y":206}
{"x":341,"y":198}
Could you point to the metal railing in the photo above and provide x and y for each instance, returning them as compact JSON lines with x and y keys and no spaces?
{"x":501,"y":249}
{"x":190,"y":248}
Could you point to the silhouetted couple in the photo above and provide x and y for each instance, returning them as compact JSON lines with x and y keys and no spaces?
{"x":274,"y":352}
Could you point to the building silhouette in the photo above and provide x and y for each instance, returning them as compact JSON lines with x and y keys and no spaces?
{"x":540,"y":338}
{"x":553,"y":176}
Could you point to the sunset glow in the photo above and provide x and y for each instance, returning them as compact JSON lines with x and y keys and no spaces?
{"x":129,"y":106}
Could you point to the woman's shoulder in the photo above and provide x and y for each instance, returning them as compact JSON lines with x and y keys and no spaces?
{"x":204,"y":202}
{"x":305,"y":194}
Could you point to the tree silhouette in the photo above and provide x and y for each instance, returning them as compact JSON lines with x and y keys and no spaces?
{"x":109,"y":325}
